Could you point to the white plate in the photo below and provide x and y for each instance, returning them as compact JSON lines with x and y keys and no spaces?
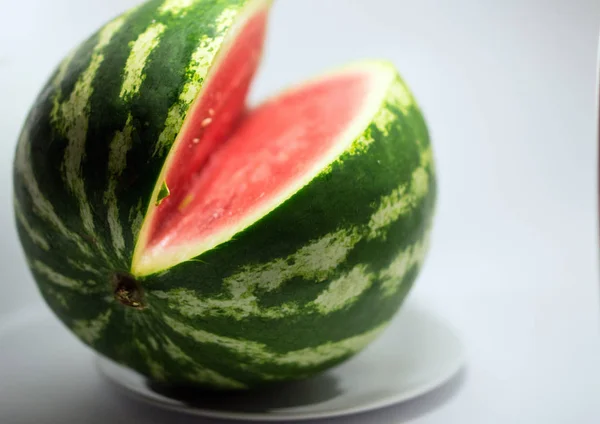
{"x":415,"y":355}
{"x":42,"y":364}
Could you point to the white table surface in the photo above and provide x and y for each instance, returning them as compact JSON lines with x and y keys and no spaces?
{"x":509,"y":92}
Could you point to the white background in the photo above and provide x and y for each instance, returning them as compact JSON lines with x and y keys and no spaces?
{"x":508,"y":88}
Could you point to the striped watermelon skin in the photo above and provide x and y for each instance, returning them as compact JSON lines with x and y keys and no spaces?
{"x":304,"y":288}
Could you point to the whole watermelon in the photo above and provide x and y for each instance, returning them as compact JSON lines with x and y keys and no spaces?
{"x":195,"y":240}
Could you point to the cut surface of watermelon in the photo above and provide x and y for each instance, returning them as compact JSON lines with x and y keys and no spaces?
{"x":231,"y":166}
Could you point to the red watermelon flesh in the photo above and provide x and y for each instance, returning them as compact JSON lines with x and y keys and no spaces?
{"x":231,"y":166}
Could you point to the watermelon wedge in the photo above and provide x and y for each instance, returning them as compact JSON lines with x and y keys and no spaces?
{"x":183,"y":234}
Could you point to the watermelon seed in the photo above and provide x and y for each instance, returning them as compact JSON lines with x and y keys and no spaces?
{"x":128,"y":291}
{"x":206,"y":122}
{"x":186,"y":201}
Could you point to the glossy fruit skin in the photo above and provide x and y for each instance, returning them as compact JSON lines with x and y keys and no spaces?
{"x":303,"y":289}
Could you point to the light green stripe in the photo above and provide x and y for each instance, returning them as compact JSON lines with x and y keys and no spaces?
{"x":71,"y":119}
{"x":41,"y":206}
{"x":393,"y":276}
{"x":57,"y":298}
{"x":403,"y":199}
{"x":259,"y":353}
{"x":344,"y":291}
{"x":326,"y":352}
{"x":136,"y":217}
{"x":176,"y":7}
{"x":38,"y":239}
{"x":91,"y":330}
{"x":189,"y":304}
{"x":136,"y":62}
{"x":82,"y":266}
{"x":157,"y":370}
{"x":153,"y":342}
{"x":59,"y":279}
{"x":198,"y":68}
{"x":117,"y":162}
{"x":144,"y":329}
{"x":316,"y":261}
{"x":200,"y":374}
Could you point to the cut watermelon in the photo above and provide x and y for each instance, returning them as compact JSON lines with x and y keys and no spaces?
{"x":232,"y":182}
{"x":195,"y":240}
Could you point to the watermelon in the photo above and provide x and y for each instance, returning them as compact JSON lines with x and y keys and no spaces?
{"x":196,"y":240}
